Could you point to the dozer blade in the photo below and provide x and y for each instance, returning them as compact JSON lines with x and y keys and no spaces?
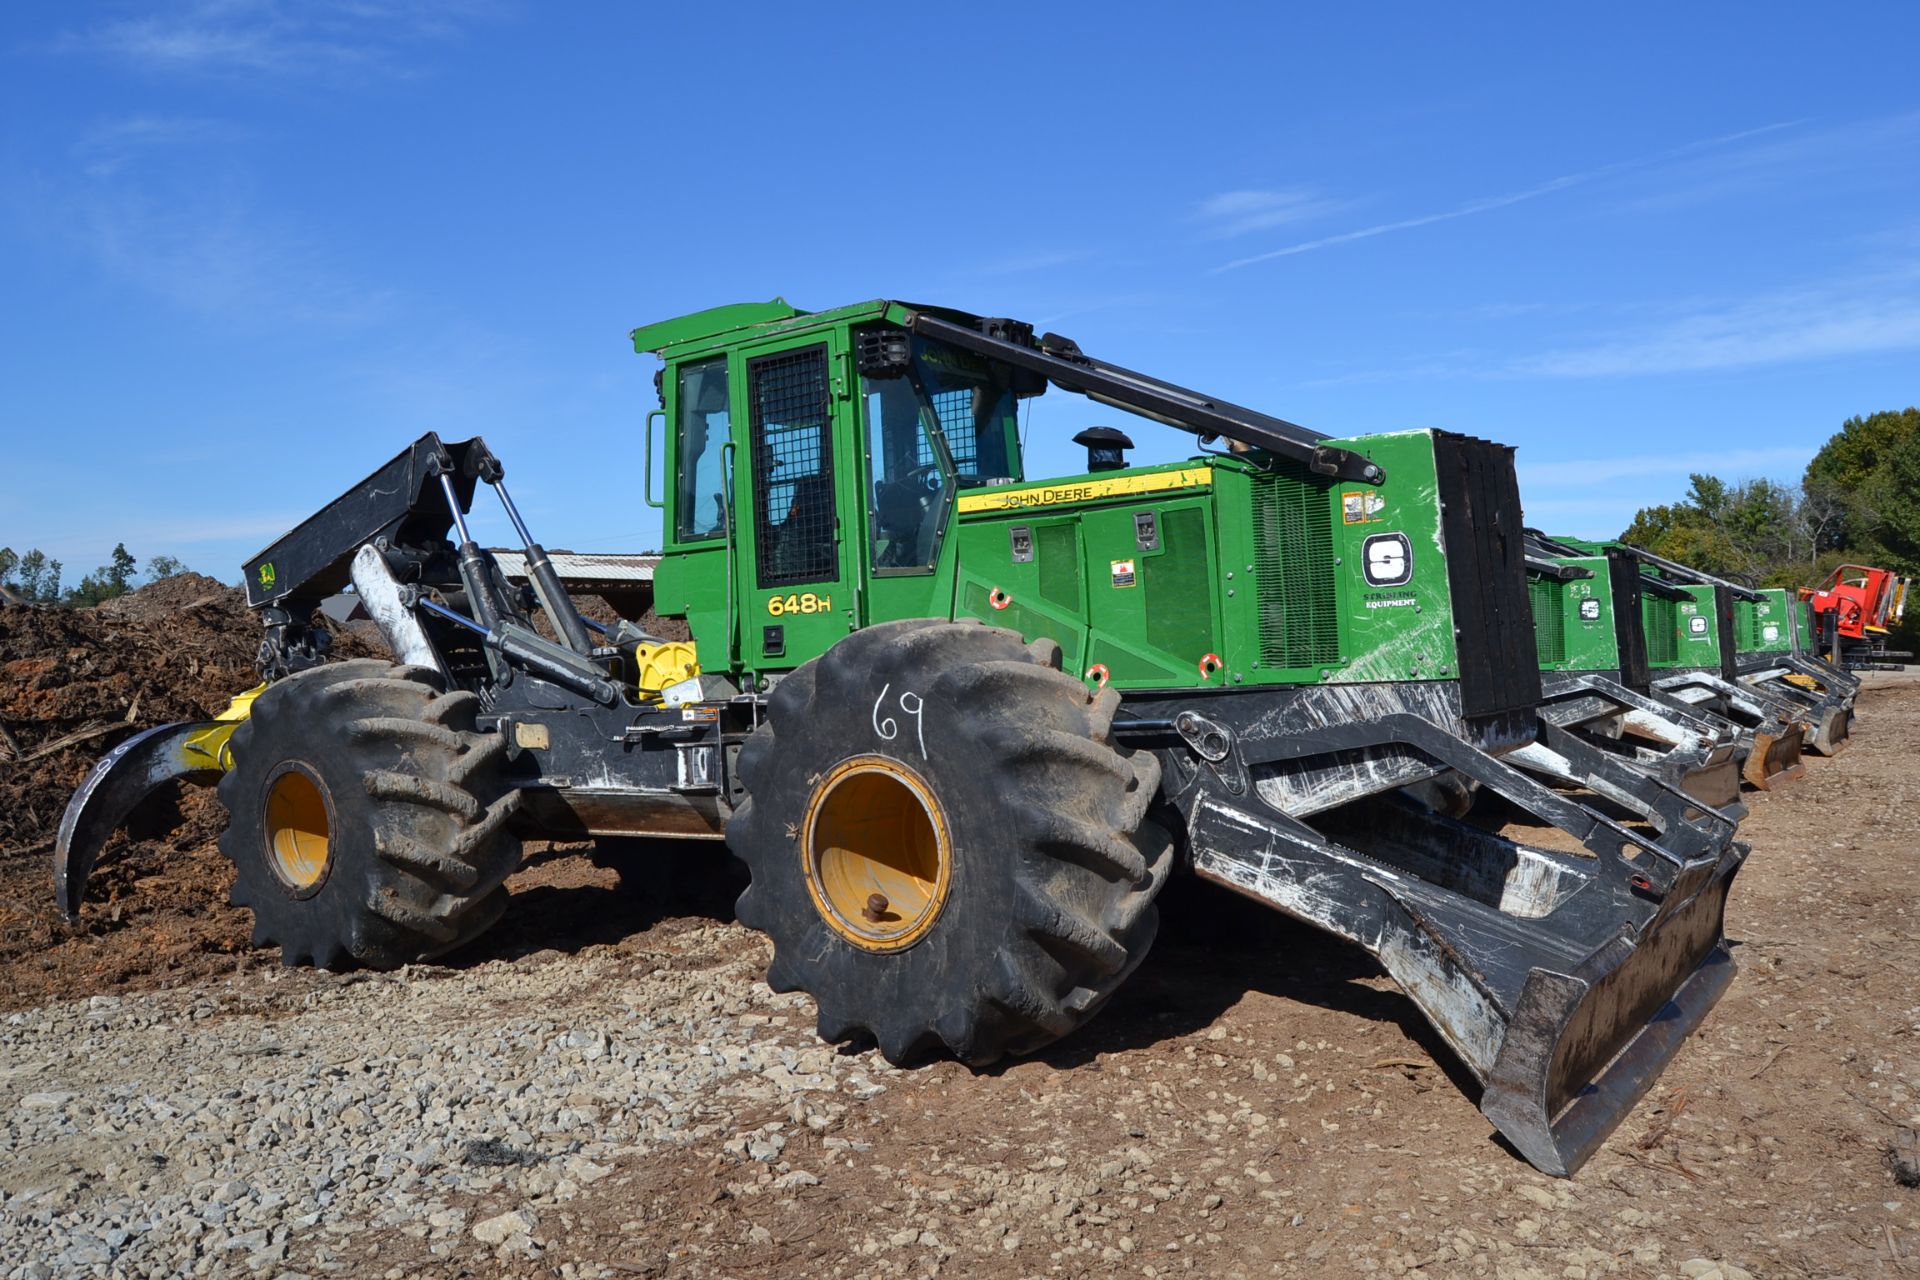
{"x":1716,"y":782}
{"x":1564,"y":981}
{"x":1773,"y":727}
{"x":1666,"y":740}
{"x":118,"y":781}
{"x":1826,"y":724}
{"x":1826,"y":710}
{"x":1833,"y":731}
{"x":1774,"y":758}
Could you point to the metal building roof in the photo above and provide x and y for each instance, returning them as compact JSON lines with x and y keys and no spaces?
{"x":580,"y":567}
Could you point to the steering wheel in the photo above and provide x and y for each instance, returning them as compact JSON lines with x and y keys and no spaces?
{"x":903,"y":503}
{"x":926,"y":476}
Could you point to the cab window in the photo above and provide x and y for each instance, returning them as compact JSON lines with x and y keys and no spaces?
{"x":705,"y":420}
{"x":791,"y":423}
{"x":971,"y":402}
{"x":907,"y":494}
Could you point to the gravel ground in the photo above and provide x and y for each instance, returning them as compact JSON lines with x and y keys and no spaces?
{"x":605,"y":1088}
{"x":272,"y":1124}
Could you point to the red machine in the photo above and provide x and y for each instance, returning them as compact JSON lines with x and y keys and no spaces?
{"x":1854,"y":611}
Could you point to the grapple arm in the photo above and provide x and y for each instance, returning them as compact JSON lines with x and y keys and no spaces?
{"x":193,"y":750}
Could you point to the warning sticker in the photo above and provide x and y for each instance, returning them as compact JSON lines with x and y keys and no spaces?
{"x":1362,"y":508}
{"x":1589,"y":610}
{"x":1123,"y":573}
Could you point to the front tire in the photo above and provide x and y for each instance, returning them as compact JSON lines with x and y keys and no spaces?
{"x":945,"y":847}
{"x":368,"y":819}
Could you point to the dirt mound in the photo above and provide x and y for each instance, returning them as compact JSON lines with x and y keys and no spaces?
{"x":171,"y":595}
{"x":156,"y":912}
{"x":596,"y":609}
{"x":73,"y":682}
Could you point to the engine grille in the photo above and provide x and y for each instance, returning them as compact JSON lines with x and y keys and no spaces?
{"x":1549,"y":619}
{"x":1179,"y":586}
{"x":1293,"y":570}
{"x":1663,"y":630}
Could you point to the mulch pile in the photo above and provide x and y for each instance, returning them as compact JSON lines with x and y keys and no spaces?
{"x":73,"y":683}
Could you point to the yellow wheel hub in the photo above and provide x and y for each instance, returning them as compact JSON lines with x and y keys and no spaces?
{"x":877,"y":855}
{"x":299,"y":830}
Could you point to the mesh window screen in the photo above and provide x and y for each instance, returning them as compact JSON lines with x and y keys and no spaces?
{"x":793,"y":516}
{"x":956,"y":421}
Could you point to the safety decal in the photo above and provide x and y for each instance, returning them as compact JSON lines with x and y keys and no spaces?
{"x":1362,"y":508}
{"x":1123,"y":575}
{"x":1387,"y":559}
{"x":1589,"y":610}
{"x":1697,"y":625}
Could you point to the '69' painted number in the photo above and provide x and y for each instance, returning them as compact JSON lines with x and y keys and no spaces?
{"x":910,"y":703}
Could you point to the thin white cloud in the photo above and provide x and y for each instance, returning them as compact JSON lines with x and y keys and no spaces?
{"x":1487,"y":204}
{"x":108,"y":147}
{"x":1868,"y":315}
{"x":276,"y":36}
{"x":1586,"y":472}
{"x":1833,"y":164}
{"x":1782,"y":328}
{"x":199,"y":241}
{"x":215,"y":253}
{"x":1235,"y":213}
{"x":1025,"y":263}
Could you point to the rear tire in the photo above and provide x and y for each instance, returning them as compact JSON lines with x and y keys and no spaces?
{"x":368,"y":817}
{"x":958,"y":770}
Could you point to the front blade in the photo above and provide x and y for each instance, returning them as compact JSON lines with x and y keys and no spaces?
{"x":1582,"y":1048}
{"x":118,"y":781}
{"x":1565,"y":982}
{"x":1716,"y":782}
{"x":1775,"y":756}
{"x":1832,"y":730}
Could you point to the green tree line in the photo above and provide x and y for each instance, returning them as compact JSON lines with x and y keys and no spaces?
{"x":1857,"y":503}
{"x":34,"y":578}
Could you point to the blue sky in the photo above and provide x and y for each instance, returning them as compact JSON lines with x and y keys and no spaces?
{"x":249,"y":250}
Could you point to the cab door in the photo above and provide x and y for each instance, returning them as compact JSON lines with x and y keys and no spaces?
{"x":796,"y":592}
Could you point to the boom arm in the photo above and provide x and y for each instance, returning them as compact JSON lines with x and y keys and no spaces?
{"x":1061,"y":362}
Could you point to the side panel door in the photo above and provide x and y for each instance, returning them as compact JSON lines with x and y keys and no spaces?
{"x":795,"y":478}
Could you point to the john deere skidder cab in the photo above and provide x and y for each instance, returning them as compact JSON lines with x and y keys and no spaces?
{"x":1595,"y":679}
{"x":962,"y":724}
{"x":1804,"y":628}
{"x":1733,"y":611}
{"x":1768,"y":657}
{"x":1684,"y":617}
